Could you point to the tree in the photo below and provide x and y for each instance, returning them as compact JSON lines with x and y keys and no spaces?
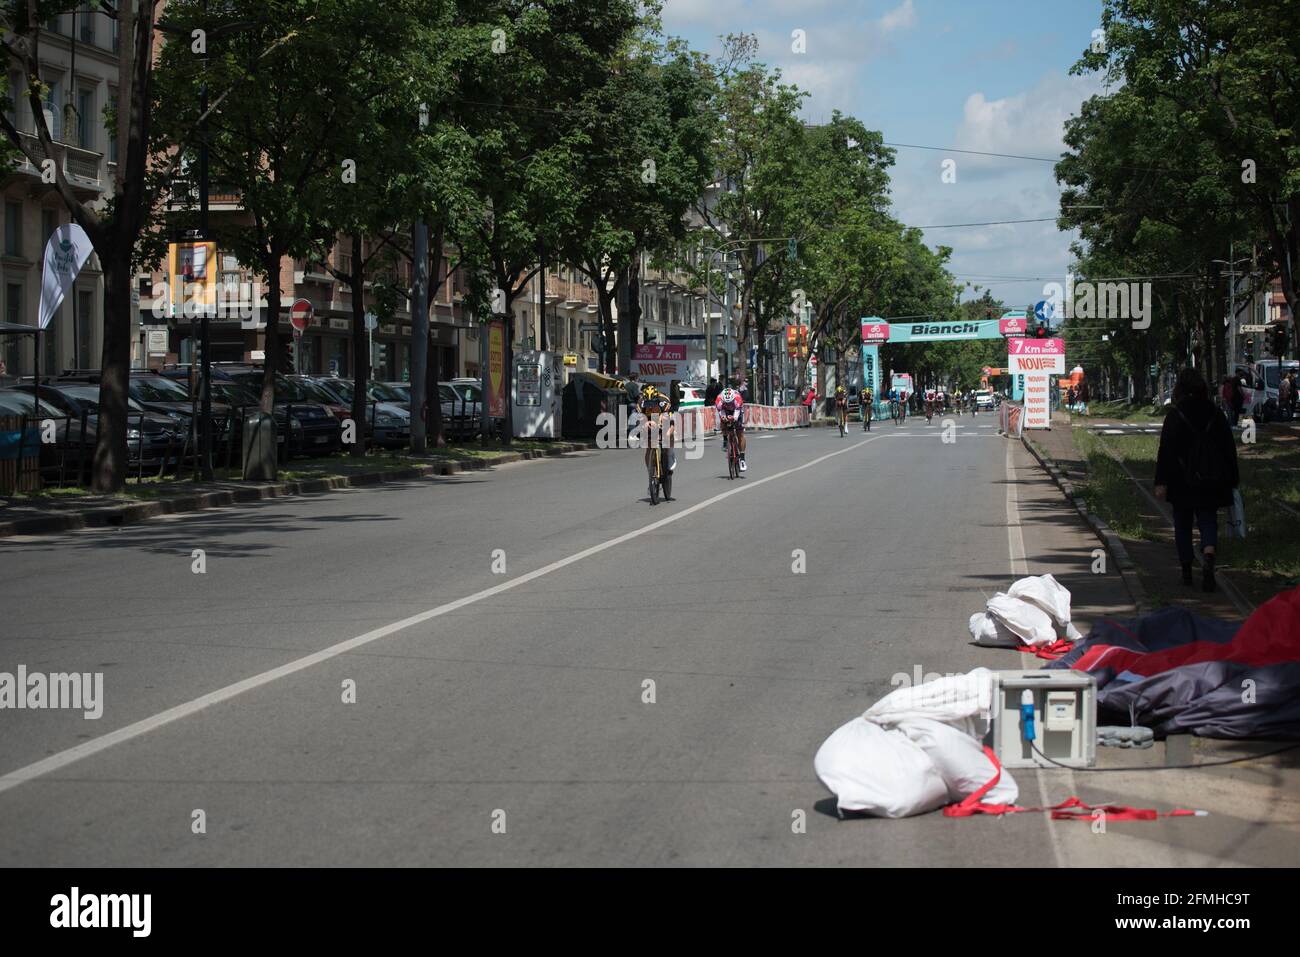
{"x":283,"y":149}
{"x":115,"y":228}
{"x":527,"y":65}
{"x":1228,"y":71}
{"x":758,"y":158}
{"x":642,"y":142}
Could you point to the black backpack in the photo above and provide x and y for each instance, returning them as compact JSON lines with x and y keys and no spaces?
{"x":1203,"y":468}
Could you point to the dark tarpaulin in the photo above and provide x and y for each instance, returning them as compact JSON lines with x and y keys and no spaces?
{"x":1174,"y":671}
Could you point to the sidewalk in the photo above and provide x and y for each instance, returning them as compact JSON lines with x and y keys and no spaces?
{"x":1154,"y":561}
{"x":47,"y":514}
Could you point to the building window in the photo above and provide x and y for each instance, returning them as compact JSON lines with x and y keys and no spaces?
{"x":14,"y":302}
{"x":13,"y":229}
{"x":54,"y":24}
{"x":87,"y":20}
{"x":85,"y":111}
{"x":85,"y":313}
{"x":116,"y":33}
{"x":53,"y":107}
{"x":49,"y":223}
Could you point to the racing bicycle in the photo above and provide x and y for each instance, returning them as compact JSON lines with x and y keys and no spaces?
{"x":733,"y":448}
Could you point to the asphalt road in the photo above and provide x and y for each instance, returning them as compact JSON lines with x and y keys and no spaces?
{"x":517,"y":700}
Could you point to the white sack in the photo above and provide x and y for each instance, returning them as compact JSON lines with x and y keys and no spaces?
{"x":960,"y":761}
{"x":987,"y":630}
{"x":1028,"y":621}
{"x":1047,"y":593}
{"x":951,"y":699}
{"x":869,"y":768}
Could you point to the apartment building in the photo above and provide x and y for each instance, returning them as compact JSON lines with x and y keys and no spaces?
{"x":570,"y":302}
{"x":79,"y":67}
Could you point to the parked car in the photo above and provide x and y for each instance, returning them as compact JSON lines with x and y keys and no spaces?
{"x":166,"y":396}
{"x":312,"y":428}
{"x":68,"y":456}
{"x":461,"y":408}
{"x":154,"y":441}
{"x":388,"y":422}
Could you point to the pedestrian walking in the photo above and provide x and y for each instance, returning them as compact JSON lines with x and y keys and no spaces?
{"x":1082,"y":397}
{"x":1285,"y":397}
{"x":1196,"y":471}
{"x":1069,"y":399}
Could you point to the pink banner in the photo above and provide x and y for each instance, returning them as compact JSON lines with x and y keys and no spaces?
{"x":1035,"y":347}
{"x":875,"y":332}
{"x":1013,"y":327}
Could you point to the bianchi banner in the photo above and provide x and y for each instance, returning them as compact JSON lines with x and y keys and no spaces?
{"x":942,"y":331}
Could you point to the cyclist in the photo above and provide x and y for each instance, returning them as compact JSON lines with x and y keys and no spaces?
{"x":866,"y":406}
{"x":841,"y":406}
{"x":731,"y":407}
{"x":652,"y":405}
{"x":902,"y":406}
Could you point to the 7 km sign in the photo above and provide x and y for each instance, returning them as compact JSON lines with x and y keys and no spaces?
{"x":1036,"y":355}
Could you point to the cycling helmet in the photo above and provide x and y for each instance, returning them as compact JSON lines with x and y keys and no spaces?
{"x":649,"y":392}
{"x":729,"y":394}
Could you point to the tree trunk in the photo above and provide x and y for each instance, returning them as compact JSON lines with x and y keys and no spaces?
{"x":629,"y":320}
{"x":111,"y":456}
{"x":271,"y":344}
{"x":435,"y":433}
{"x":605,"y":301}
{"x":360,"y":349}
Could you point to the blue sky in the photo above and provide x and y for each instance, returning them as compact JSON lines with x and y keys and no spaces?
{"x":985,"y":75}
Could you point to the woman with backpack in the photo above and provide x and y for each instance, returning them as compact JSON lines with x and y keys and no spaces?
{"x":1196,"y":470}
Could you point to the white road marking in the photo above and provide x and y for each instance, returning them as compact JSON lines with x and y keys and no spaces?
{"x":1020,"y":569}
{"x":62,"y":759}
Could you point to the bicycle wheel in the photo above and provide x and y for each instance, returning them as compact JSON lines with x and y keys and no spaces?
{"x":733,"y":466}
{"x":654,"y":480}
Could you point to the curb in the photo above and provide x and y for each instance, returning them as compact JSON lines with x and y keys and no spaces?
{"x":130,"y":513}
{"x":1128,"y":571}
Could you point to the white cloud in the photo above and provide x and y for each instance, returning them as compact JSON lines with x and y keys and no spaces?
{"x":900,"y":18}
{"x":991,"y":188}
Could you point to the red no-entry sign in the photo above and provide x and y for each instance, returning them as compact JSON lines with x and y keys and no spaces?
{"x":300,"y":315}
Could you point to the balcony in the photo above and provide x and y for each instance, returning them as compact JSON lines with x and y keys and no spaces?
{"x":81,"y":167}
{"x":221,"y":197}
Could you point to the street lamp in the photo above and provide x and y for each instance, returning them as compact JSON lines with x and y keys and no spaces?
{"x":1231,"y":321}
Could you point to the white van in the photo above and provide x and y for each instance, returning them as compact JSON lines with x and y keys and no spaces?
{"x":1262,"y":382}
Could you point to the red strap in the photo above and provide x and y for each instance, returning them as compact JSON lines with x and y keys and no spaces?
{"x":1071,"y":809}
{"x":1048,"y":652}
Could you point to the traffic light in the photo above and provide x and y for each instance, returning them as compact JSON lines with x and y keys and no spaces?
{"x":286,"y":364}
{"x":1250,"y":349}
{"x":1040,"y":331}
{"x":1277,"y":341}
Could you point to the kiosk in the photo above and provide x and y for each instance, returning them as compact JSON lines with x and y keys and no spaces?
{"x":536,"y":395}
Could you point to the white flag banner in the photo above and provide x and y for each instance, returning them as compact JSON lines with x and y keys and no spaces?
{"x":66,"y":252}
